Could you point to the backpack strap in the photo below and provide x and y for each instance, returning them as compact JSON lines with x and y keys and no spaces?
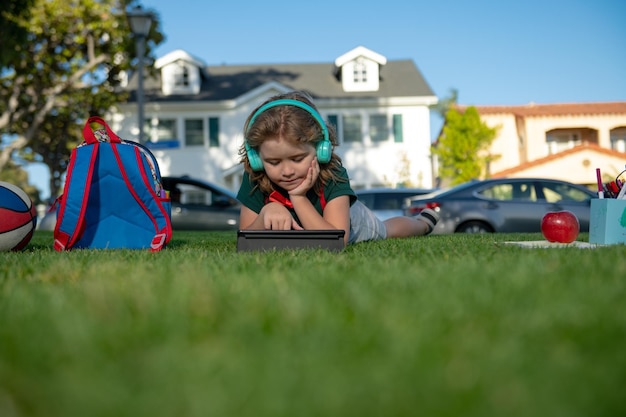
{"x":152,"y":162}
{"x":162,"y":225}
{"x":88,"y":131}
{"x":71,"y":214}
{"x":165,"y":233}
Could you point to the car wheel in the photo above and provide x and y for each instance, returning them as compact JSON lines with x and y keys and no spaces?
{"x":474,"y":227}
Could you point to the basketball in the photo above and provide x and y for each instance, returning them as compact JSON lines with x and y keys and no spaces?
{"x":18,"y":218}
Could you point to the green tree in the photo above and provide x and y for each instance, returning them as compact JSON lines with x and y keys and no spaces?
{"x":463,"y":148}
{"x":68,"y":68}
{"x":12,"y":34}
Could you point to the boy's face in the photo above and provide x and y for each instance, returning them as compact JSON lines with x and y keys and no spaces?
{"x":286,"y":163}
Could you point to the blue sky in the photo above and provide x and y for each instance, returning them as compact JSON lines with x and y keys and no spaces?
{"x":493,"y":52}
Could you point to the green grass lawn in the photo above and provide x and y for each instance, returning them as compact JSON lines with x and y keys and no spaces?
{"x":459,"y":325}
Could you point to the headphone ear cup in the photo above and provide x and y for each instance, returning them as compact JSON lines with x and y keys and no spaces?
{"x":255,"y":160}
{"x":324,"y":151}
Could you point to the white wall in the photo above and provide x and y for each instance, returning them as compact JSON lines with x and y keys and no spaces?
{"x":368,"y":164}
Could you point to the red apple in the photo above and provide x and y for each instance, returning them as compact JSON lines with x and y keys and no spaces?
{"x":560,"y":226}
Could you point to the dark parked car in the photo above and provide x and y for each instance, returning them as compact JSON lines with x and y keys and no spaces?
{"x":201,"y":205}
{"x":503,"y":205}
{"x":388,"y":202}
{"x":196,"y":205}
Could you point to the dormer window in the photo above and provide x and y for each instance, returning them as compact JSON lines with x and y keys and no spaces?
{"x":181,"y":76}
{"x":180,"y":73}
{"x":361,"y":74}
{"x":360,"y":71}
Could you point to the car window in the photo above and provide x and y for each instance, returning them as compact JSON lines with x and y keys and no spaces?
{"x":388,"y":202}
{"x":554,"y":192}
{"x":510,"y":191}
{"x":190,"y":194}
{"x":452,"y":190}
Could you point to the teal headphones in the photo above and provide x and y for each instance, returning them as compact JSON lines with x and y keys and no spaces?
{"x":324,"y":147}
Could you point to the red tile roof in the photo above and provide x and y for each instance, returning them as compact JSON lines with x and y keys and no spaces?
{"x":563,"y":109}
{"x":549,"y":158}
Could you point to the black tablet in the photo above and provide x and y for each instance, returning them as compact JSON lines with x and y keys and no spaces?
{"x":263,"y":240}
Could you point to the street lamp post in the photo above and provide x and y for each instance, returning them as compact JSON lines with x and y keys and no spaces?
{"x":140,"y":21}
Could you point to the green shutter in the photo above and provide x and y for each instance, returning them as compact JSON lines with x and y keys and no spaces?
{"x":397,"y":128}
{"x":214,"y":132}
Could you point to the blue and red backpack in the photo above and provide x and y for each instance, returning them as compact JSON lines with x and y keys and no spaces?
{"x":113,"y":197}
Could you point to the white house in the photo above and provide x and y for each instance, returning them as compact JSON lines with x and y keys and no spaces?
{"x":195,"y":114}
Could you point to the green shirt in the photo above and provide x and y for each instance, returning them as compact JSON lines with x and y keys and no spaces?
{"x":254,"y":199}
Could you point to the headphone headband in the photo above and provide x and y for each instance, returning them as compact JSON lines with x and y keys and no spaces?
{"x":324,"y":148}
{"x":295,"y":103}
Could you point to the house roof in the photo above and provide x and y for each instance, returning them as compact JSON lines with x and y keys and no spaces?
{"x":178,"y":54}
{"x":399,"y":78}
{"x":560,"y":155}
{"x":357,"y":52}
{"x":563,"y":109}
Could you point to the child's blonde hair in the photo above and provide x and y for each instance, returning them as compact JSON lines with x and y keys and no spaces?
{"x":292,"y":123}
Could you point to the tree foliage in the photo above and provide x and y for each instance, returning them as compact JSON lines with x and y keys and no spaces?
{"x":67,"y":69}
{"x":463,"y":148}
{"x":11,"y":32}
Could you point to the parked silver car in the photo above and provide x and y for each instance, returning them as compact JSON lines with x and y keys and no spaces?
{"x":196,"y":205}
{"x":503,"y":205}
{"x":388,"y":202}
